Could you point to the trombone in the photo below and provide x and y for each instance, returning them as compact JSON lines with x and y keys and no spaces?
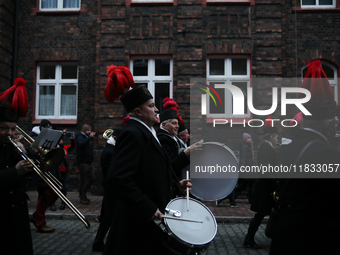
{"x":50,"y":182}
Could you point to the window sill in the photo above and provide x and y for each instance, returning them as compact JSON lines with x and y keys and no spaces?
{"x":228,"y":2}
{"x":151,"y":3}
{"x":36,"y":11}
{"x":57,"y":121}
{"x":300,"y":9}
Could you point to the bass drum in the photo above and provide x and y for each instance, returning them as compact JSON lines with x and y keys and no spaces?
{"x":213,"y":189}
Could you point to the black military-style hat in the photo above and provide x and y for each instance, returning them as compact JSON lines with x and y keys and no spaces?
{"x":135,"y":97}
{"x":168,"y":115}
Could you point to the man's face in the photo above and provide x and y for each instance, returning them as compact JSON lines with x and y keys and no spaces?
{"x":184,"y":136}
{"x":6,"y":129}
{"x":172,"y":126}
{"x":274,"y":139}
{"x":148,"y":113}
{"x":88,"y":132}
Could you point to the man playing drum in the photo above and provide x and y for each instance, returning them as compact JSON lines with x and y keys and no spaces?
{"x":139,"y":176}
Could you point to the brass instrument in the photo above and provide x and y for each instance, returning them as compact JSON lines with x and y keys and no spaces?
{"x":276,"y":195}
{"x":49,"y":181}
{"x":107,"y":134}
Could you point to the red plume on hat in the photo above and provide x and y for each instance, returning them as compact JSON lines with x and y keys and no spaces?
{"x":119,"y":80}
{"x":297,"y":118}
{"x":169,"y":103}
{"x":317,"y":83}
{"x":268,"y":122}
{"x":17,"y":97}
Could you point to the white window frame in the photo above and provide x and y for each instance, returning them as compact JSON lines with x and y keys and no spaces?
{"x":151,"y":79}
{"x":151,"y":1}
{"x":227,"y":78}
{"x":57,"y":83}
{"x":59,"y":7}
{"x":317,"y":5}
{"x":333,"y":82}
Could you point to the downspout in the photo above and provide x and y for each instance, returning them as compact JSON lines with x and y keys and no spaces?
{"x":15,"y":45}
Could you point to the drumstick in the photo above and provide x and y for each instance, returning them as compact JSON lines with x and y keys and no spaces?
{"x":182,"y":219}
{"x":187,"y":193}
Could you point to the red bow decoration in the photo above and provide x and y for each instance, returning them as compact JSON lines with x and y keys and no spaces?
{"x":125,"y":120}
{"x":119,"y":80}
{"x":17,"y":97}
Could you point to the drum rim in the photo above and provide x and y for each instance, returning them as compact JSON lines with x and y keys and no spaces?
{"x":213,"y":216}
{"x":237,"y":162}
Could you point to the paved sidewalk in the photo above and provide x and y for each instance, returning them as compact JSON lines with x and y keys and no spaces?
{"x":223,"y":213}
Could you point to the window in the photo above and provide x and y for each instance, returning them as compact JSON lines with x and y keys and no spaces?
{"x":56,"y":91}
{"x":332,"y":75}
{"x":318,"y":3}
{"x":156,"y":74}
{"x":233,"y":70}
{"x":59,"y":5}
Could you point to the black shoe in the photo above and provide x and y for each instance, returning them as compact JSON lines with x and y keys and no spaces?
{"x":251,"y":244}
{"x":62,"y":206}
{"x":233,"y":205}
{"x":96,"y":248}
{"x":53,"y":207}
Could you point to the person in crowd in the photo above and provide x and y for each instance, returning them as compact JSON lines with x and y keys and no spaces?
{"x":308,"y":207}
{"x":64,"y":167}
{"x":105,"y":213}
{"x":139,"y":175}
{"x":14,"y":227}
{"x":262,"y":199}
{"x":183,"y":135}
{"x":46,"y":195}
{"x":84,"y":161}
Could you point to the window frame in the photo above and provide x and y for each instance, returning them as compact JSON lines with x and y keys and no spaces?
{"x":151,"y":79}
{"x":57,"y":83}
{"x":59,"y":7}
{"x":228,"y":77}
{"x":318,"y":6}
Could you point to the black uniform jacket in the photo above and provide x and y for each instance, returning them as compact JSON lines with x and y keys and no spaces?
{"x":263,"y":201}
{"x":309,"y":209}
{"x":15,"y":230}
{"x":178,"y":160}
{"x":141,"y":179}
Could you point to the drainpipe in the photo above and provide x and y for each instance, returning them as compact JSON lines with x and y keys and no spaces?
{"x":15,"y":45}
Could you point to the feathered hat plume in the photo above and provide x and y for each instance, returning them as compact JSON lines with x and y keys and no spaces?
{"x":169,"y":103}
{"x":119,"y":80}
{"x":17,"y":97}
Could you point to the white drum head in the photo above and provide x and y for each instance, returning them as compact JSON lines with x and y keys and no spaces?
{"x":192,"y":232}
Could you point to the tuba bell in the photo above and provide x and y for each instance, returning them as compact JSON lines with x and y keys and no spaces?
{"x":107,"y":134}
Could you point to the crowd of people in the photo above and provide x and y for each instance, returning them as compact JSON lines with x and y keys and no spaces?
{"x":141,"y":169}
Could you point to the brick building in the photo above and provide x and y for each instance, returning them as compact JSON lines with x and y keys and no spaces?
{"x":62,"y":49}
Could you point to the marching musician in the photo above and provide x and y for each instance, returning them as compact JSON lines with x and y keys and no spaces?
{"x":139,"y":176}
{"x":15,"y":229}
{"x":308,"y":209}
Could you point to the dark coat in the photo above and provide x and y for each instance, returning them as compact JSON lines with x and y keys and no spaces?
{"x":14,"y":227}
{"x":141,"y":179}
{"x":262,"y":200}
{"x":246,"y":155}
{"x":308,"y":207}
{"x":178,"y":160}
{"x":84,"y":148}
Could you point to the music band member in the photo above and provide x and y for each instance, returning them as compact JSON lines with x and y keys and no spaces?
{"x":139,"y":177}
{"x":14,"y":227}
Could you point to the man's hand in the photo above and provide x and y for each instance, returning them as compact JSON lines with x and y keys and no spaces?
{"x":23,"y":167}
{"x":197,"y":147}
{"x":186,"y":184}
{"x":21,"y":146}
{"x":92,"y":134}
{"x":157,"y":216}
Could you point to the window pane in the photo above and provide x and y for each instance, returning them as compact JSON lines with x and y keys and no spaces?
{"x":68,"y":104}
{"x":325,"y":2}
{"x":239,"y":66}
{"x":218,"y":108}
{"x":161,"y":91}
{"x":140,"y":67}
{"x":329,"y":72}
{"x":47,"y":72}
{"x":69,"y":72}
{"x":46,"y":100}
{"x":71,"y":4}
{"x":308,"y":2}
{"x":243,"y":87}
{"x":216,"y":67}
{"x":49,"y":4}
{"x":162,"y":67}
